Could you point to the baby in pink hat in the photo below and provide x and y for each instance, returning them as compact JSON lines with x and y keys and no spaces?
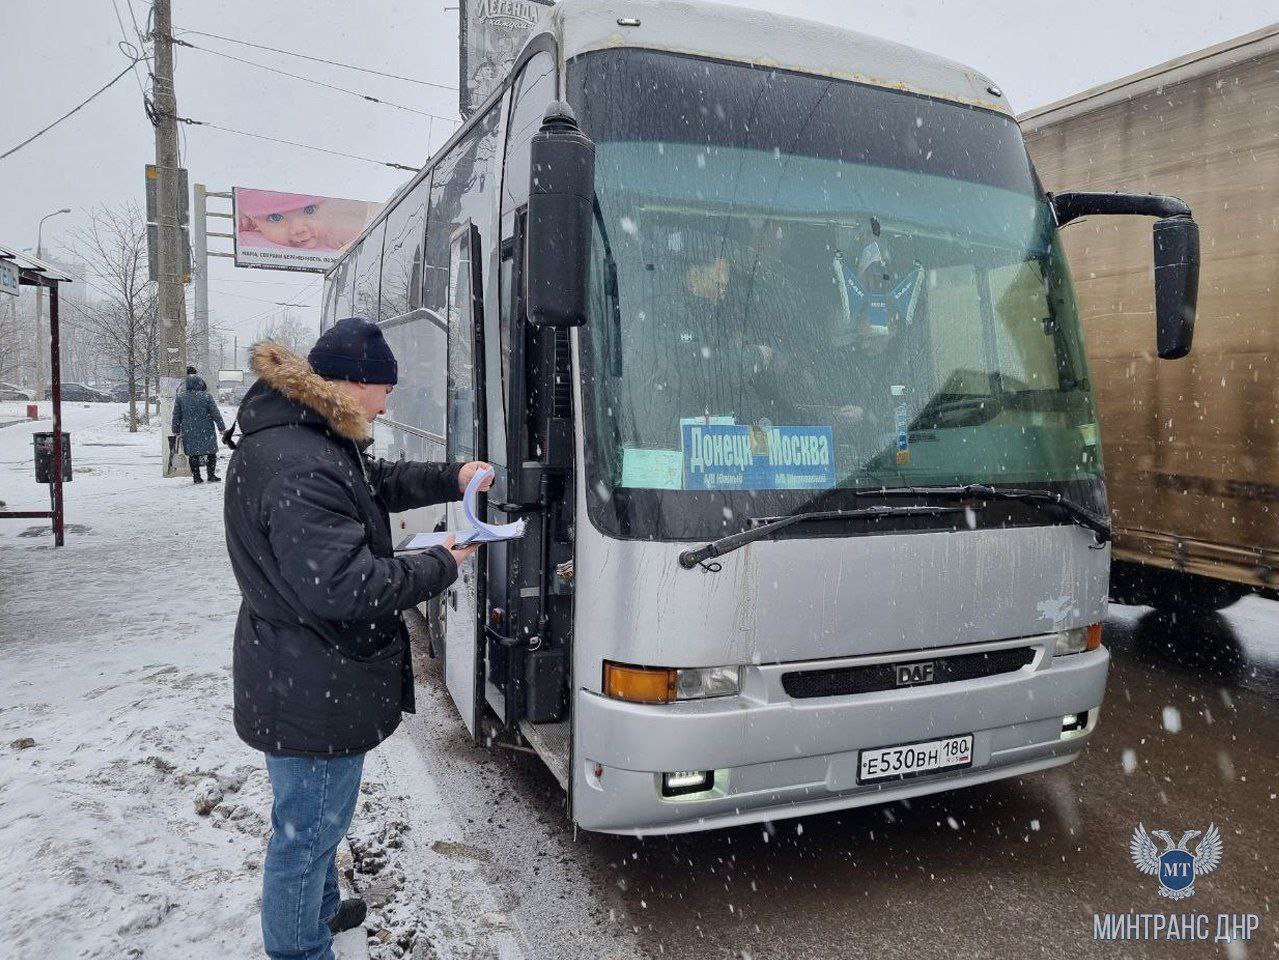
{"x":300,"y":220}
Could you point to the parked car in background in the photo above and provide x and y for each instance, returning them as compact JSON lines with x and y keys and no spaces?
{"x":11,"y":391}
{"x":78,"y":393}
{"x":119,"y":392}
{"x":234,"y":384}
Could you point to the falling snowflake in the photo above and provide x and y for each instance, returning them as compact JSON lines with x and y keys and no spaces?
{"x":1129,"y":760}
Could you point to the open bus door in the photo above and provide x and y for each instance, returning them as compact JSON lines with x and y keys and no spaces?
{"x":466,"y":440}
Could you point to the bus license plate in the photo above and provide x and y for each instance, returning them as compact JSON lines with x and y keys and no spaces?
{"x":912,"y":759}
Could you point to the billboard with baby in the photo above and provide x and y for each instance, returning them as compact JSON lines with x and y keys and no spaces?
{"x":295,"y":231}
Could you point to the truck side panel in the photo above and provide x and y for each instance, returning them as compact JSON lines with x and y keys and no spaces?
{"x":1191,"y":448}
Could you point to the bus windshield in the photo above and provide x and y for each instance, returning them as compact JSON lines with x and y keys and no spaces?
{"x":803,"y":285}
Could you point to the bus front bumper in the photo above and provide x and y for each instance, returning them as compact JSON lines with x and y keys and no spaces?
{"x":776,"y":757}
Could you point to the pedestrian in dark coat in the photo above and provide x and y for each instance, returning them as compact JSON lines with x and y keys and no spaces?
{"x":195,"y":413}
{"x":321,"y":666}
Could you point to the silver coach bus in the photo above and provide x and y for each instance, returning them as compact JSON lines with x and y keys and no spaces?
{"x":767,"y":330}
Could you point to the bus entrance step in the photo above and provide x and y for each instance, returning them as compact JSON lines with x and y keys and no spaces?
{"x":551,"y":741}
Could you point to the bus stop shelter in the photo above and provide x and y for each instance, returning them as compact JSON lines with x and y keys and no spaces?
{"x":19,"y":270}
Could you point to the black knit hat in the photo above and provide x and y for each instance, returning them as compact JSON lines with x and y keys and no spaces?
{"x":354,"y":349}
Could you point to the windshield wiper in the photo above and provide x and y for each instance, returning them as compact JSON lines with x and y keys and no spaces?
{"x":769,"y":525}
{"x":1099,"y":526}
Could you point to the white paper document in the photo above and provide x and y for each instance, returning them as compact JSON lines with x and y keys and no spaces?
{"x":480,"y":531}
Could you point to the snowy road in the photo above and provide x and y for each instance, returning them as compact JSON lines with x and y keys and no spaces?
{"x":1189,"y":735}
{"x":114,"y":663}
{"x":132,"y":820}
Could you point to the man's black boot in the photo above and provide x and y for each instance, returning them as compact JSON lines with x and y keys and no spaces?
{"x":213,"y":464}
{"x":351,"y":914}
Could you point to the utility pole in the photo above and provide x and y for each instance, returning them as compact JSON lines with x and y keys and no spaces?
{"x":171,"y":302}
{"x":172,"y":299}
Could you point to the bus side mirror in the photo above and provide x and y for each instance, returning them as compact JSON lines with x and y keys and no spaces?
{"x":1176,"y":257}
{"x":560,"y":207}
{"x":1176,"y":284}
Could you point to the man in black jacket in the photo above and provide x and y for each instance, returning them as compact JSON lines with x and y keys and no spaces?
{"x":322,"y":670}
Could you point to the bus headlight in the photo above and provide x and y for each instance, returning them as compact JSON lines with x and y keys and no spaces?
{"x":1077,"y":640}
{"x":668,"y":684}
{"x":703,"y":682}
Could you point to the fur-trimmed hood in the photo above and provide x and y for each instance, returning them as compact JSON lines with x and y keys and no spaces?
{"x":292,"y":377}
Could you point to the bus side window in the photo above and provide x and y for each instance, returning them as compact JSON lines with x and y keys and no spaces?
{"x":338,"y":303}
{"x":329,"y":303}
{"x":461,"y":362}
{"x":368,"y":273}
{"x":535,"y":89}
{"x":511,"y":290}
{"x":402,"y":253}
{"x":505,"y":278}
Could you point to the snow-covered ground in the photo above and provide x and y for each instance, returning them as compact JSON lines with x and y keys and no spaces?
{"x":132,"y":820}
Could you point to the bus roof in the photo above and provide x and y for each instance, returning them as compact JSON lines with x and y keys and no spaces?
{"x":723,"y":32}
{"x":767,"y":39}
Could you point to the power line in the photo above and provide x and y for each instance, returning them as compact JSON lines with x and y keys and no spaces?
{"x":318,"y":83}
{"x":278,"y":303}
{"x":133,"y":18}
{"x":126,"y":46}
{"x":84,"y":103}
{"x":332,"y":63}
{"x":267,"y":313}
{"x":291,"y":143}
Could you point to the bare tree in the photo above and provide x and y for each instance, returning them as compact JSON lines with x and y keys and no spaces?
{"x":288,"y":330}
{"x":113,"y":246}
{"x":12,"y":330}
{"x":17,"y":338}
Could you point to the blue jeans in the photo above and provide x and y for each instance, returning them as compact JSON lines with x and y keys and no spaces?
{"x":314,"y":802}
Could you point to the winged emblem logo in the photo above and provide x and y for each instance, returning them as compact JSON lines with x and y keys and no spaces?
{"x":1176,"y":868}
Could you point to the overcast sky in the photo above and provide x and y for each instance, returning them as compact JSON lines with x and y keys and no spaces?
{"x":53,"y":53}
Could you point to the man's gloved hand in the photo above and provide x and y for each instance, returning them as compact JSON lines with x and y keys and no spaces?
{"x":469,"y":470}
{"x":226,"y":437}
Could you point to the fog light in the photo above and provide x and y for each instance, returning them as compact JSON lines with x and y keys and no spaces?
{"x":680,"y":782}
{"x":1074,"y":721}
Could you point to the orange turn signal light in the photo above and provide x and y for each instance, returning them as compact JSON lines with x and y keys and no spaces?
{"x":639,"y":684}
{"x":1094,"y":636}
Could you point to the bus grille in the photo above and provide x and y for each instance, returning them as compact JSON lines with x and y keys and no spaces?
{"x":842,"y":681}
